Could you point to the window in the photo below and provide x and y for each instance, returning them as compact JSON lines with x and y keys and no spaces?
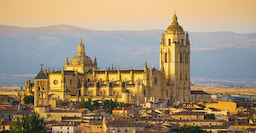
{"x":180,"y":76}
{"x":68,"y":128}
{"x":155,"y":80}
{"x":180,"y":57}
{"x":169,"y":42}
{"x":125,"y":130}
{"x":180,"y":118}
{"x":186,"y":76}
{"x":70,"y":82}
{"x":182,"y":42}
{"x":165,"y":56}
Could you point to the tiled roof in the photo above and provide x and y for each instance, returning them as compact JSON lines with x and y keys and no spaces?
{"x":198,"y":92}
{"x":41,"y":75}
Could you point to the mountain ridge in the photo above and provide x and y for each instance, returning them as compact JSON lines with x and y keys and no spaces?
{"x":24,"y":49}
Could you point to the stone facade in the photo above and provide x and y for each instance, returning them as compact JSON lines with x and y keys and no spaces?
{"x":82,"y":78}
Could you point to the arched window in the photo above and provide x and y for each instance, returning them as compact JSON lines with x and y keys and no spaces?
{"x":169,"y":42}
{"x":155,"y":80}
{"x":165,"y":57}
{"x":144,"y":92}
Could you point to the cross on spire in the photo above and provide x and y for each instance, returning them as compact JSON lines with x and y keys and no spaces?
{"x":42,"y":66}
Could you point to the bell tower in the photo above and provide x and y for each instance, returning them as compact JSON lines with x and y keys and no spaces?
{"x":175,"y":61}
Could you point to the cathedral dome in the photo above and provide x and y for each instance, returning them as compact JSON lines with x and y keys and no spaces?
{"x":81,"y":58}
{"x":174,"y":27}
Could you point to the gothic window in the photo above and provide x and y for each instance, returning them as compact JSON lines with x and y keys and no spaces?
{"x":166,"y":93}
{"x":165,"y":56}
{"x":70,"y":82}
{"x":155,"y":80}
{"x":144,"y":92}
{"x":180,"y":76}
{"x":180,"y":57}
{"x":169,"y":42}
{"x":186,"y":76}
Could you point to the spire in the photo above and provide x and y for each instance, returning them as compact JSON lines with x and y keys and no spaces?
{"x":95,"y":62}
{"x":62,"y":70}
{"x":48,"y":70}
{"x":175,"y":19}
{"x":145,"y":66}
{"x":66,"y":60}
{"x":45,"y":70}
{"x":52,"y":70}
{"x":187,"y":39}
{"x":81,"y":41}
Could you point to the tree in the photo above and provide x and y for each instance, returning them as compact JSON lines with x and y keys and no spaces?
{"x":209,"y":116}
{"x":28,"y":99}
{"x":28,"y":124}
{"x":170,"y":104}
{"x":89,"y":104}
{"x":192,"y":129}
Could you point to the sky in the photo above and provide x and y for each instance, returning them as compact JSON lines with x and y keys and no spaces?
{"x":194,"y":15}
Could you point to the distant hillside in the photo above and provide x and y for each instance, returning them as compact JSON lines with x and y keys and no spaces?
{"x":213,"y":54}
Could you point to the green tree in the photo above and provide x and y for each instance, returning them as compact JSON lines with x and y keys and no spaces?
{"x":28,"y":99}
{"x":192,"y":129}
{"x":91,"y":105}
{"x":209,"y":116}
{"x":28,"y":124}
{"x":170,"y":104}
{"x":109,"y":105}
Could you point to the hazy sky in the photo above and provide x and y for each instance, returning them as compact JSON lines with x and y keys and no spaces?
{"x":194,"y":15}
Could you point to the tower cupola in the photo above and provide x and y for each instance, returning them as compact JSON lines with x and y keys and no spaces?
{"x":175,"y":27}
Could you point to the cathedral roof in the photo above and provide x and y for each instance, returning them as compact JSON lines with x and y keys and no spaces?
{"x":41,"y":75}
{"x":175,"y":25}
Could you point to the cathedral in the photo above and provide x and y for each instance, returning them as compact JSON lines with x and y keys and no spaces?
{"x":82,"y":78}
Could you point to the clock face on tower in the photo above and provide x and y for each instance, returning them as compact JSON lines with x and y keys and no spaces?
{"x":55,"y":82}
